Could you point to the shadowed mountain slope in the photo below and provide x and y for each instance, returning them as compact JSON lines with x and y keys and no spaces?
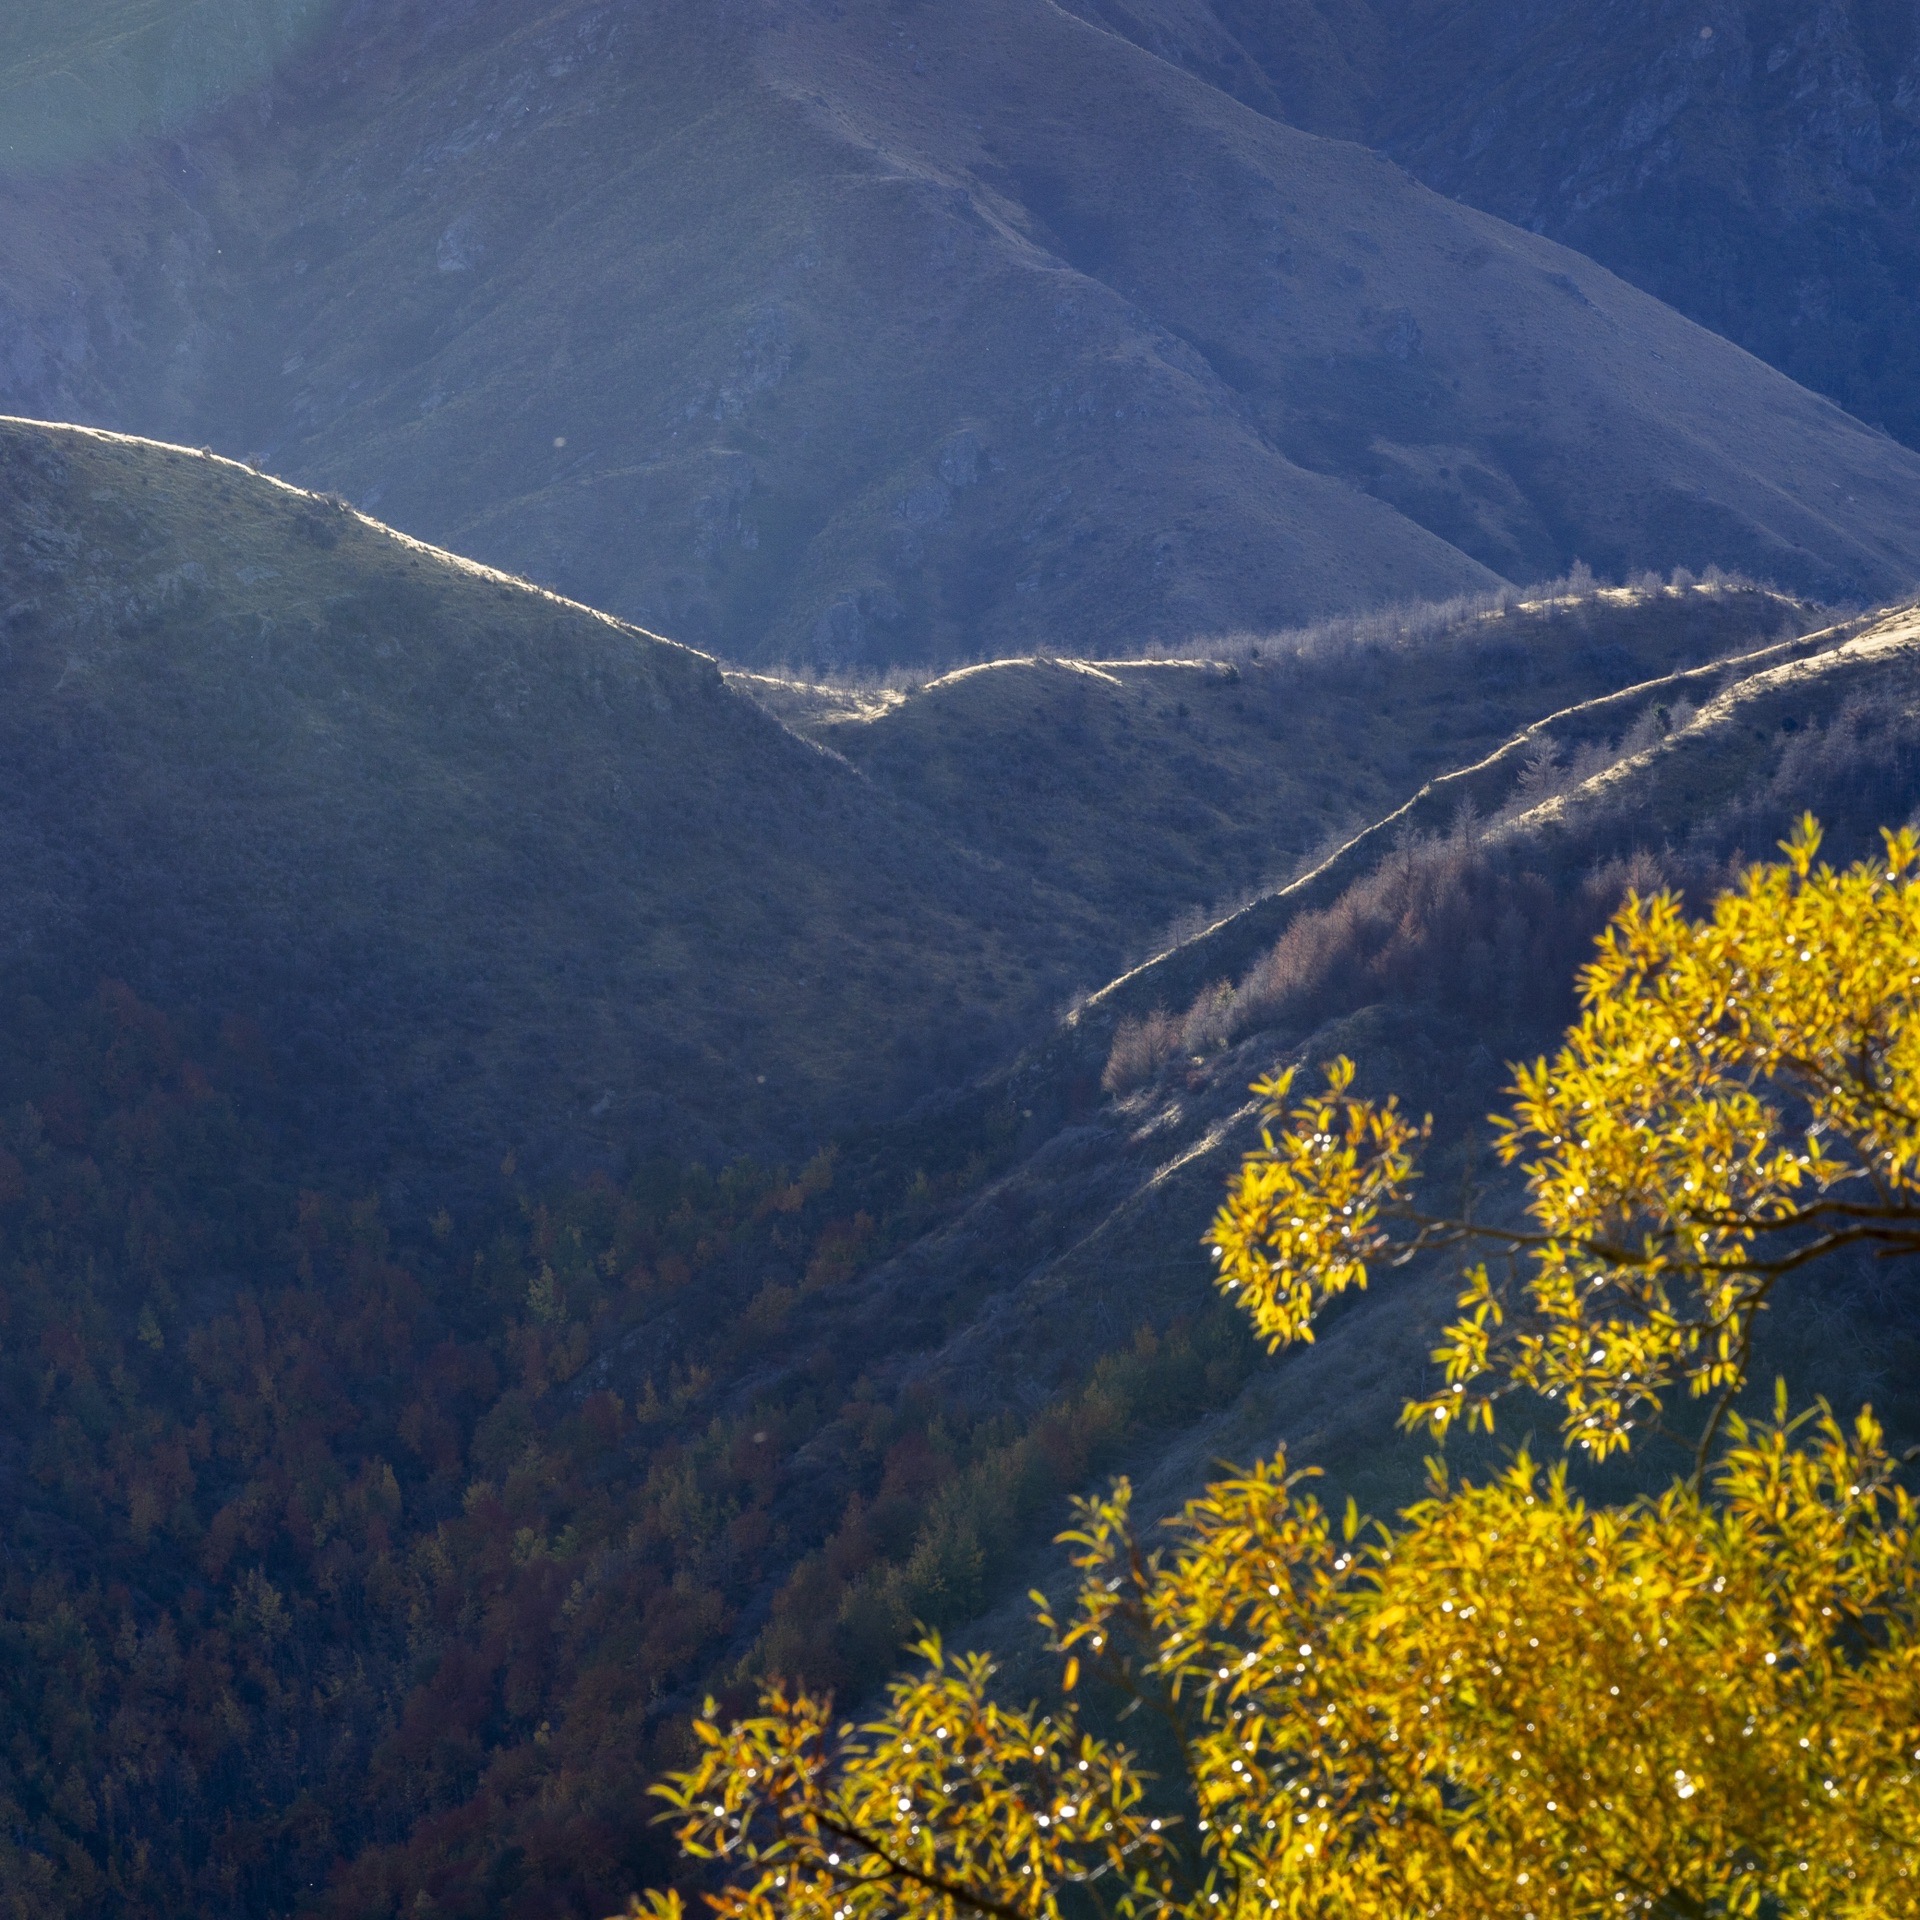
{"x":1739,"y":748}
{"x":492,"y":871}
{"x":1755,"y":164}
{"x":1059,"y":1308}
{"x":488,"y":869}
{"x":449,"y":1514}
{"x":853,"y":335}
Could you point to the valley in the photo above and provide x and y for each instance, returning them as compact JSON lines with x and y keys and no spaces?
{"x":459,"y":1435}
{"x":690,"y":688}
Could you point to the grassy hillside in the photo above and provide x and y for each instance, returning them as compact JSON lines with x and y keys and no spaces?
{"x":1387,"y":944}
{"x":1153,"y":789}
{"x":816,"y":337}
{"x":77,"y":81}
{"x":1761,"y":176}
{"x":1433,"y":955}
{"x":487,"y":870}
{"x":491,"y":872}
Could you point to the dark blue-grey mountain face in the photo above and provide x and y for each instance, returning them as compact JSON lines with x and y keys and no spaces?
{"x":863,"y":333}
{"x":1755,"y":163}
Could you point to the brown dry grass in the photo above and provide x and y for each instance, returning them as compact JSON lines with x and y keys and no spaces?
{"x":1163,"y":792}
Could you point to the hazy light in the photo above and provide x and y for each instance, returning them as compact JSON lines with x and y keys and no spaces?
{"x":79,"y":78}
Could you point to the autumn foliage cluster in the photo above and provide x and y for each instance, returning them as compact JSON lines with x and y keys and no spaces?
{"x":352,"y":1565}
{"x":1516,"y":1700}
{"x":326,"y":1560}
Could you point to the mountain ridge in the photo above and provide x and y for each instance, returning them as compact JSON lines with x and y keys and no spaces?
{"x":742,"y":328}
{"x":261,"y":747}
{"x":499,"y":873}
{"x":1119,"y":1194}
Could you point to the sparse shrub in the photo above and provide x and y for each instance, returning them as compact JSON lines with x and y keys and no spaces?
{"x":1140,"y":1049}
{"x":1210,"y":1020}
{"x":1457,"y":622}
{"x":1550,"y":770}
{"x":1453,"y":921}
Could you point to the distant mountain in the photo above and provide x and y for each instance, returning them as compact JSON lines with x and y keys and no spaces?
{"x":1754,"y":164}
{"x":854,"y":335}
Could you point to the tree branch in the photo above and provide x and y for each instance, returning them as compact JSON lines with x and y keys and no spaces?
{"x":933,"y":1882}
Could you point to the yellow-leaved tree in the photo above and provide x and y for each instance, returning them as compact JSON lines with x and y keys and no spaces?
{"x":1513,"y":1702}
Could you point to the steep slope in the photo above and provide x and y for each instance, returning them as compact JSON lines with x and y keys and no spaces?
{"x":492,"y":872}
{"x":1754,"y":164}
{"x":814,"y":334}
{"x":1757,"y":165}
{"x":1152,"y":789}
{"x":489,"y":871}
{"x":1401,"y":975}
{"x":1431,"y":956}
{"x":76,"y":80}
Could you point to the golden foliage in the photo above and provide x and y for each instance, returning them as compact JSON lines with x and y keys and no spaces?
{"x":948,"y":1798}
{"x":1739,"y":1097}
{"x":1513,"y":1702}
{"x":1311,"y":1211}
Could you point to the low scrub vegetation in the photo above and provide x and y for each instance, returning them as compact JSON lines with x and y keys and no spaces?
{"x":1486,"y":921}
{"x":1443,"y":922}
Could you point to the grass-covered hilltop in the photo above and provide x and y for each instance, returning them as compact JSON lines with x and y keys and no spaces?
{"x":522,"y":875}
{"x":495,"y":873}
{"x":434,"y":1355}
